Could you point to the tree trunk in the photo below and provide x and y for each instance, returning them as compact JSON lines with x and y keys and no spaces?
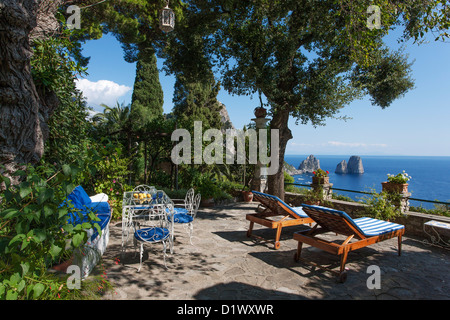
{"x":275,"y":183}
{"x":23,"y":113}
{"x":22,"y":129}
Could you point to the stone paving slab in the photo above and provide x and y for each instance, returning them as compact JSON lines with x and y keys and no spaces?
{"x":224,"y":264}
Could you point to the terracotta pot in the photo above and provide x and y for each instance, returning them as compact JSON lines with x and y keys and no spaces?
{"x":320,"y":180}
{"x":394,"y":187}
{"x":260,"y":112}
{"x":207,"y":202}
{"x":248,"y":196}
{"x":62,"y":267}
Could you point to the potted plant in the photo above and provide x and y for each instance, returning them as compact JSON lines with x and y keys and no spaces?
{"x":320,"y":177}
{"x":396,"y":183}
{"x":247,"y":194}
{"x":384,"y":206}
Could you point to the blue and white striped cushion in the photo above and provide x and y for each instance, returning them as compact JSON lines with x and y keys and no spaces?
{"x":374,"y":227}
{"x":298,"y":210}
{"x":367,"y":226}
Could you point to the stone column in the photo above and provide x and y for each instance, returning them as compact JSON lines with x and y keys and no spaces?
{"x":258,"y":181}
{"x":324,"y":187}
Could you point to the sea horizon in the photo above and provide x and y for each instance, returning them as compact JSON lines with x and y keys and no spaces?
{"x":430,"y":175}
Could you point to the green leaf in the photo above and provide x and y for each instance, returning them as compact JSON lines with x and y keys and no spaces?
{"x":55,"y":251}
{"x":18,"y":237}
{"x":37,"y":290}
{"x":25,"y":243}
{"x":39,"y":235}
{"x":9,"y":213}
{"x":11,"y":295}
{"x":62,"y":212}
{"x":77,"y":239}
{"x":45,"y":195}
{"x":66,"y":169}
{"x":24,"y":189}
{"x":25,"y":267}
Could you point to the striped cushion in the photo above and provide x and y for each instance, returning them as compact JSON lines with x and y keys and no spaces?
{"x":369,"y":227}
{"x":374,"y":227}
{"x":296,"y":210}
{"x":299,"y":211}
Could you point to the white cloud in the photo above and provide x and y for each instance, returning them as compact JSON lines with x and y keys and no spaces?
{"x":102,"y":91}
{"x":355,"y":144}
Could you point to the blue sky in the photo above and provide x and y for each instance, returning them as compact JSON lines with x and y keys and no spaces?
{"x":417,"y":124}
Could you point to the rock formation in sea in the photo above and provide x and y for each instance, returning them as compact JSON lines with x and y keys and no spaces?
{"x":355,"y":165}
{"x":310,"y":164}
{"x":341,"y":167}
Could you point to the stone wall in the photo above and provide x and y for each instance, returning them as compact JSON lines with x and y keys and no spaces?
{"x":413,"y":221}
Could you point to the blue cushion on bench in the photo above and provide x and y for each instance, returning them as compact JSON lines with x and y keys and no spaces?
{"x":82,"y":205}
{"x":99,"y":207}
{"x":103,"y":223}
{"x":79,"y":197}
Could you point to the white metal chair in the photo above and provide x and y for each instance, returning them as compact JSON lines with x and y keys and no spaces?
{"x":187,"y":218}
{"x":184,"y":205}
{"x":136,"y":205}
{"x":145,"y":188}
{"x":157,"y":228}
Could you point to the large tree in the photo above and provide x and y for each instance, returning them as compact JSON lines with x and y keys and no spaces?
{"x":308,"y":58}
{"x":148,"y":98}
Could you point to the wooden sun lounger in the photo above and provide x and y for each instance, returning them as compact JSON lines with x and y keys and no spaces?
{"x":366,"y":231}
{"x":274,"y":208}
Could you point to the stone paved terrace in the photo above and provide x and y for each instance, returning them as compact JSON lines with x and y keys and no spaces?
{"x":224,"y":264}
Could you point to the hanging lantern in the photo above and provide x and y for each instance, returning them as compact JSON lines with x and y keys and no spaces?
{"x":167,"y":19}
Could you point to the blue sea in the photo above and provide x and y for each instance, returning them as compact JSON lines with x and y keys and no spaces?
{"x":430,"y":175}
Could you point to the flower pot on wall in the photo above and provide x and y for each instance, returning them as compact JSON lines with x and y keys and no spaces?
{"x":320,"y":180}
{"x":248,"y":196}
{"x":394,"y":187}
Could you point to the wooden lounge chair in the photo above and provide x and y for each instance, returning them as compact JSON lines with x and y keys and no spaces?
{"x":366,"y":231}
{"x":275,"y":208}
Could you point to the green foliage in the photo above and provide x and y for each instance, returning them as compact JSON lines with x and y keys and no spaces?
{"x":35,"y":232}
{"x":383,"y":205}
{"x":110,"y":177}
{"x":438,"y":209}
{"x":400,"y":178}
{"x":320,"y":173}
{"x":148,"y":99}
{"x":287,"y":180}
{"x":196,"y":101}
{"x":55,"y":63}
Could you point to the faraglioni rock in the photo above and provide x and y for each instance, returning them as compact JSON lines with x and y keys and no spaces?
{"x":310,"y":164}
{"x":355,"y":165}
{"x":341,"y":167}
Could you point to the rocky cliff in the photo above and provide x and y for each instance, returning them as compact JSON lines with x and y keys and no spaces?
{"x":310,"y":164}
{"x":341,"y":167}
{"x":354,"y":165}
